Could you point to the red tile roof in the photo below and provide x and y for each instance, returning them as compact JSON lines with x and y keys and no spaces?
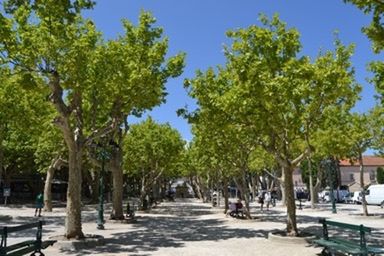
{"x":367,"y":160}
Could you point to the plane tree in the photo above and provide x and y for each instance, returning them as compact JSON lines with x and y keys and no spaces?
{"x":51,"y":40}
{"x":151,"y":151}
{"x":134,"y":70}
{"x":279,"y":96}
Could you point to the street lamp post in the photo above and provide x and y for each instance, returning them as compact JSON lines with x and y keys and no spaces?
{"x":102,"y":154}
{"x":328,"y":166}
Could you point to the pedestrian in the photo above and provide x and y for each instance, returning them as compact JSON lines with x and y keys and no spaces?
{"x":39,"y":204}
{"x":261,"y":200}
{"x":268,"y":199}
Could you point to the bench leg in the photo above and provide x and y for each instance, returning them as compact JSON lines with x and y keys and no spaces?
{"x":327,"y":252}
{"x":39,"y":253}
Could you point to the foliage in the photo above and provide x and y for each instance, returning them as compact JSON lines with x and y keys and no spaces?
{"x":360,"y":133}
{"x":380,"y":175}
{"x":270,"y":95}
{"x":375,"y":30}
{"x":22,"y":112}
{"x":152,"y":149}
{"x":93,"y":84}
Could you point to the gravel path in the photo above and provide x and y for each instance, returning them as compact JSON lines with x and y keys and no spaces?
{"x":189,"y":227}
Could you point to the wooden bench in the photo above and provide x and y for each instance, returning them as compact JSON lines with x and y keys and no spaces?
{"x":346,"y":244}
{"x":25,"y":247}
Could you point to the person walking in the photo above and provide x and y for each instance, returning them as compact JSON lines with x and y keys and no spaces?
{"x":261,"y":200}
{"x":39,"y":204}
{"x":268,"y":199}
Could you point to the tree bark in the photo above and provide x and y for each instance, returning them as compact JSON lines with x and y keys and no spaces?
{"x":254,"y":186}
{"x":56,"y":164}
{"x":95,"y":176}
{"x":290,"y":201}
{"x":311,"y":188}
{"x":1,"y":152}
{"x":118,"y":184}
{"x":198,"y":190}
{"x":282,"y":188}
{"x":363,"y":200}
{"x":73,"y":228}
{"x":225,"y":193}
{"x":48,"y":188}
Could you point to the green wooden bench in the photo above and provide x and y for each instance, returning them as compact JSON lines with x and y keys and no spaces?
{"x":346,"y":244}
{"x":25,"y":247}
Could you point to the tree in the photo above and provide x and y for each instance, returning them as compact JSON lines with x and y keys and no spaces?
{"x":50,"y":39}
{"x":375,"y":30}
{"x":50,"y":155}
{"x":151,"y":151}
{"x":134,"y":71}
{"x":278,"y":97}
{"x":360,"y":134}
{"x":380,"y":175}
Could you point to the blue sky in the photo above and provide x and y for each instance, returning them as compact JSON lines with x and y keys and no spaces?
{"x":197,"y":27}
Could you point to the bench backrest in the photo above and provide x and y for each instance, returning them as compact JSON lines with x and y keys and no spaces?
{"x":360,"y":228}
{"x":4,"y":231}
{"x":11,"y":229}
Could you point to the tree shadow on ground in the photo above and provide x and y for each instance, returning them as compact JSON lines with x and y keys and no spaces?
{"x":154,"y":232}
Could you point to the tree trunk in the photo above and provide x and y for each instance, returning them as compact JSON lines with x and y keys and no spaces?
{"x":242,"y":185}
{"x":282,"y":188}
{"x":254,"y":186}
{"x":1,"y":153}
{"x":48,"y":187}
{"x":363,"y":201}
{"x":225,"y":194}
{"x":73,"y":227}
{"x":95,"y":176}
{"x":198,"y":190}
{"x":290,"y":200}
{"x":143,"y":195}
{"x":56,"y":164}
{"x":118,"y":184}
{"x":311,"y":188}
{"x":319,"y":178}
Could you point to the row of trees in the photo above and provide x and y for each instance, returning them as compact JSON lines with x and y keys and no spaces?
{"x":92,"y":85}
{"x":270,"y":109}
{"x":266,"y":110}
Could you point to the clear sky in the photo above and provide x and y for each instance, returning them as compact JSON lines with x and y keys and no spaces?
{"x":197,"y":27}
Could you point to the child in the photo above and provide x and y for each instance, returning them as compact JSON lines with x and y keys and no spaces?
{"x":39,"y":203}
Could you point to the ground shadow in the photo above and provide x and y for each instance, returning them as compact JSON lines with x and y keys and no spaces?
{"x":152,"y":232}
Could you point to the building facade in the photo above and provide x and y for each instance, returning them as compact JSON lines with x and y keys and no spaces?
{"x":350,"y":173}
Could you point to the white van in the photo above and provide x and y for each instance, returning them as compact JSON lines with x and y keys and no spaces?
{"x":375,"y":194}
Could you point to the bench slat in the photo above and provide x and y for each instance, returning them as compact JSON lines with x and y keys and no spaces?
{"x":346,"y":225}
{"x":22,"y":251}
{"x":20,"y":227}
{"x":340,"y":247}
{"x":19,"y":245}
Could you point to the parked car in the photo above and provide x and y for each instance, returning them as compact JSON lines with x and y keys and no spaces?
{"x":348,"y":198}
{"x":375,"y":195}
{"x":339,"y":195}
{"x":357,"y":197}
